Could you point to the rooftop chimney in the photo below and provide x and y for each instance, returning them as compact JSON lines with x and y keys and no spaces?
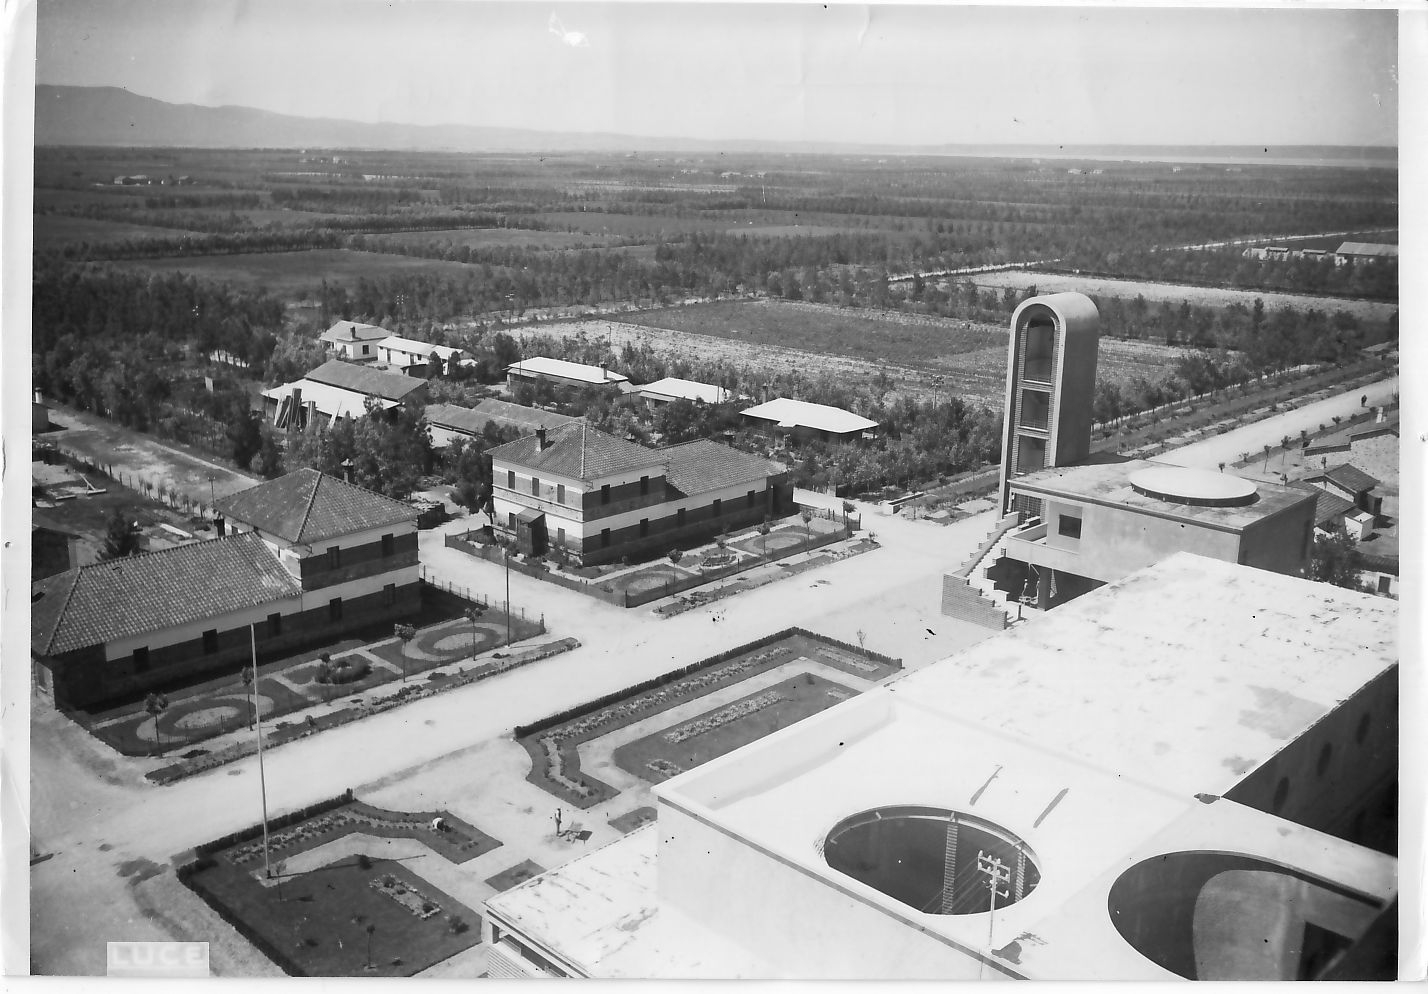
{"x":540,"y":440}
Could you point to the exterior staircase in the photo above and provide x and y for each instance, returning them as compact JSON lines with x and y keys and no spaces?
{"x":969,"y":595}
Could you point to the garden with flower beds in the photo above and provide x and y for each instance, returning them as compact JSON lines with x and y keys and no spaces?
{"x":319,"y":923}
{"x":671,"y":751}
{"x":553,"y":743}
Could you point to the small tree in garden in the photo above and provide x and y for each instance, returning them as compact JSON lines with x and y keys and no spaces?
{"x":472,"y":613}
{"x":675,"y":555}
{"x":157,"y":704}
{"x":1222,"y":467}
{"x":1266,"y":456}
{"x":764,"y":529}
{"x":1284,"y":444}
{"x":406,"y":633}
{"x":247,"y":677}
{"x":807,"y":517}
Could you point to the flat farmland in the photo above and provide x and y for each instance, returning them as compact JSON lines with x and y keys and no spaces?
{"x":1369,"y":311}
{"x":500,"y":238}
{"x":293,"y":275}
{"x":54,"y":231}
{"x":628,"y":225}
{"x":875,"y":336}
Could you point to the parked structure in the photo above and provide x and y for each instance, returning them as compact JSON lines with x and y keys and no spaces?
{"x":338,"y":389}
{"x":564,"y":375}
{"x":320,"y":557}
{"x":1051,"y":383}
{"x":448,"y":421}
{"x":672,"y":388}
{"x":416,"y":358}
{"x":602,"y":498}
{"x":354,"y":341}
{"x":1227,"y":813}
{"x":783,"y":417}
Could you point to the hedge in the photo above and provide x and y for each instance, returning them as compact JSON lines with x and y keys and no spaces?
{"x":580,"y":710}
{"x":275,"y":824}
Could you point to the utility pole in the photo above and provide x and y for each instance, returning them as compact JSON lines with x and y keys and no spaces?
{"x":258,"y":724}
{"x":997,"y":873}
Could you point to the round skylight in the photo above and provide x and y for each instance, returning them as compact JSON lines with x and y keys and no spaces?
{"x":1179,"y":485}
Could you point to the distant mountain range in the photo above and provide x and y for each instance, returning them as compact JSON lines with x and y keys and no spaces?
{"x":111,"y":116}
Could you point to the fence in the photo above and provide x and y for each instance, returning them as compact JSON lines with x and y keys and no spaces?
{"x":626,"y":599}
{"x":164,"y":491}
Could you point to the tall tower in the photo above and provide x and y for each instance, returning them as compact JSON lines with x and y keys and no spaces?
{"x":1051,"y":383}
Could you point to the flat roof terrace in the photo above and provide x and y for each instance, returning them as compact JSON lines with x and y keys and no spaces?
{"x":1227,"y":506}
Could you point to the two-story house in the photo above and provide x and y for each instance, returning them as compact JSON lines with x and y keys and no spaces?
{"x":353,"y":340}
{"x":601,"y":498}
{"x":313,"y":557}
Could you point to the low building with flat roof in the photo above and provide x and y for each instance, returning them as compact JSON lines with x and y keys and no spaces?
{"x":1189,"y":773}
{"x":1099,"y":522}
{"x":563,"y":374}
{"x":798,"y":419}
{"x":672,"y":388}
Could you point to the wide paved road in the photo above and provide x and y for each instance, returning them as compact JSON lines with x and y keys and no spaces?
{"x":102,"y":822}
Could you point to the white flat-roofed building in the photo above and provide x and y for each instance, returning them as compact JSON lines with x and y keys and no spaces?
{"x":565,"y":374}
{"x":1170,"y":778}
{"x":416,"y":358}
{"x":672,"y":388}
{"x":801,"y":419}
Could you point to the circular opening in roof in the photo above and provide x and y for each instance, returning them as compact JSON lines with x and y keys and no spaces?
{"x":936,"y":861}
{"x":1178,"y":485}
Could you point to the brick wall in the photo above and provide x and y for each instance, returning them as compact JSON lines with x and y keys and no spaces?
{"x":964,"y":603}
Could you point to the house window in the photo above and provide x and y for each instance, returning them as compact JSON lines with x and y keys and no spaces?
{"x":644,"y":485}
{"x":560,"y":493}
{"x":210,"y":641}
{"x":366,"y":350}
{"x":275,"y":625}
{"x":510,"y":479}
{"x":717,"y":503}
{"x":389,"y":545}
{"x":511,"y":520}
{"x":679,"y":517}
{"x":644,"y":527}
{"x":141,"y":659}
{"x":334,"y":557}
{"x":605,"y":494}
{"x":535,"y":486}
{"x":389,"y":594}
{"x":1068,"y":526}
{"x":604,"y":538}
{"x":560,"y":537}
{"x":334,"y":609}
{"x":749,"y":497}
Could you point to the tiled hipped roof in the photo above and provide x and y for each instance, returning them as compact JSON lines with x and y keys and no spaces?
{"x":703,"y":466}
{"x":578,"y":452}
{"x":96,"y":604}
{"x":1350,"y":477}
{"x":1327,"y":504}
{"x":307,"y":506}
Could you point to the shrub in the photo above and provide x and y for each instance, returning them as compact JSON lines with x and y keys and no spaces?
{"x":364,"y":861}
{"x":457,"y":924}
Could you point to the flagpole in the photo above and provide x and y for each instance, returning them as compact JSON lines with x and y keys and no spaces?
{"x":258,"y":724}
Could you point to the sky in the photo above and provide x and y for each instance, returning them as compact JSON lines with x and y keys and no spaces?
{"x":880,"y":74}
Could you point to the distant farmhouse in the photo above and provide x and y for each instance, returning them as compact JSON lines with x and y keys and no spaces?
{"x":601,"y":498}
{"x":354,"y":341}
{"x":1351,"y":253}
{"x":672,"y":388}
{"x":319,"y":557}
{"x":416,"y":358}
{"x":799,"y":420}
{"x":448,"y":422}
{"x":337,"y":389}
{"x":564,"y":375}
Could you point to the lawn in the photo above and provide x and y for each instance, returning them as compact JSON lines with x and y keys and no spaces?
{"x":671,"y":751}
{"x":822,"y":330}
{"x":454,"y":640}
{"x":296,"y":274}
{"x":319,"y":921}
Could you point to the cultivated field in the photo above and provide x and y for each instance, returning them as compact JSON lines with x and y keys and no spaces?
{"x":500,"y":238}
{"x":1376,"y":312}
{"x":53,"y":231}
{"x":295,"y":274}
